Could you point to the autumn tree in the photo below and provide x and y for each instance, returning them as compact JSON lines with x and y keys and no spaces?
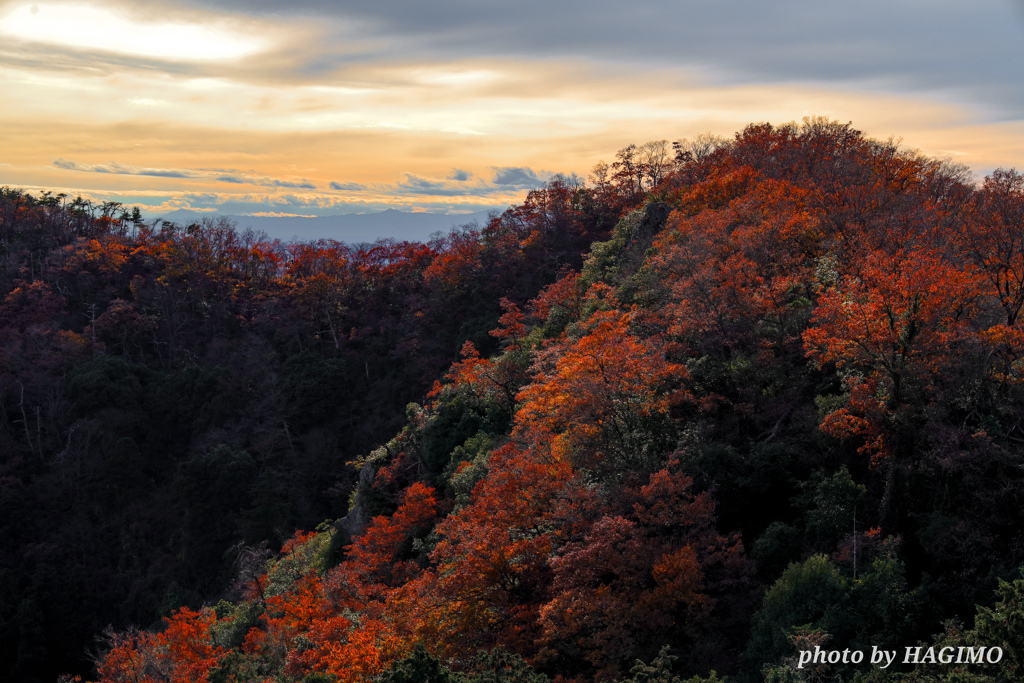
{"x":637,"y":580}
{"x":600,"y":397}
{"x":993,"y":239}
{"x":892,"y":329}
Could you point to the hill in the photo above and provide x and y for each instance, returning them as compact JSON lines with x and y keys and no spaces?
{"x":775,"y":405}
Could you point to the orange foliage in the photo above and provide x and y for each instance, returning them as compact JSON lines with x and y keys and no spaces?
{"x":30,"y":304}
{"x":563,"y":295}
{"x":542,"y":560}
{"x":182,"y":653}
{"x":589,"y":394}
{"x":373,"y":561}
{"x":486,"y":379}
{"x":457,"y":261}
{"x":737,"y":272}
{"x":637,"y":575}
{"x":103,"y":256}
{"x":491,"y":552}
{"x":511,"y":321}
{"x":993,"y":238}
{"x":899,"y":323}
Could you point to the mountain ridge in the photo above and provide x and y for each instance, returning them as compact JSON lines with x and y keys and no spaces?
{"x":352,"y":228}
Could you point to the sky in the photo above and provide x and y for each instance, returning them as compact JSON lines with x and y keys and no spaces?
{"x":326,"y":107}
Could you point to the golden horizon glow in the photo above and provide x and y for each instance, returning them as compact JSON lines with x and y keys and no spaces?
{"x":299,"y":121}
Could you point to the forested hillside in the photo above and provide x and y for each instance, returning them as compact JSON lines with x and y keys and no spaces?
{"x":703,"y":412}
{"x":177,"y":400}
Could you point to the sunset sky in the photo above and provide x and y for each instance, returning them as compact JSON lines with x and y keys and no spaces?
{"x":320,"y":107}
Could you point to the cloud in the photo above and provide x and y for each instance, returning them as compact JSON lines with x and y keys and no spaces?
{"x":202,"y":198}
{"x":362,"y":55}
{"x":459,"y":184}
{"x":467,"y":190}
{"x":942,"y":45}
{"x":371,"y":200}
{"x":235,"y":178}
{"x":89,"y":27}
{"x":152,"y":210}
{"x":305,"y":184}
{"x":266,"y":182}
{"x":419,"y":184}
{"x":119,"y":169}
{"x":279,"y":214}
{"x":332,"y":206}
{"x":347,"y":187}
{"x":462,"y":188}
{"x":155,"y":204}
{"x":521,"y":177}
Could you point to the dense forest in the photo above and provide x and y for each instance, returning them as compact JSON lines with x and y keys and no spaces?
{"x":720,"y":405}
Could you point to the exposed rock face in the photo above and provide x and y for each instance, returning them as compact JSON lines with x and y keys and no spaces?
{"x":358,"y":518}
{"x":653,"y":221}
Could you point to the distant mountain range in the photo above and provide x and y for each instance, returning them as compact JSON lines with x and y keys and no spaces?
{"x":349,"y":228}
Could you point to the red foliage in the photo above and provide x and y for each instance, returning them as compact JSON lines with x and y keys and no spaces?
{"x":512,"y":328}
{"x":993,"y":239}
{"x":639,"y":576}
{"x":374,"y":560}
{"x":182,"y":653}
{"x":589,"y":394}
{"x":563,"y":295}
{"x":898,"y":324}
{"x":579,"y":543}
